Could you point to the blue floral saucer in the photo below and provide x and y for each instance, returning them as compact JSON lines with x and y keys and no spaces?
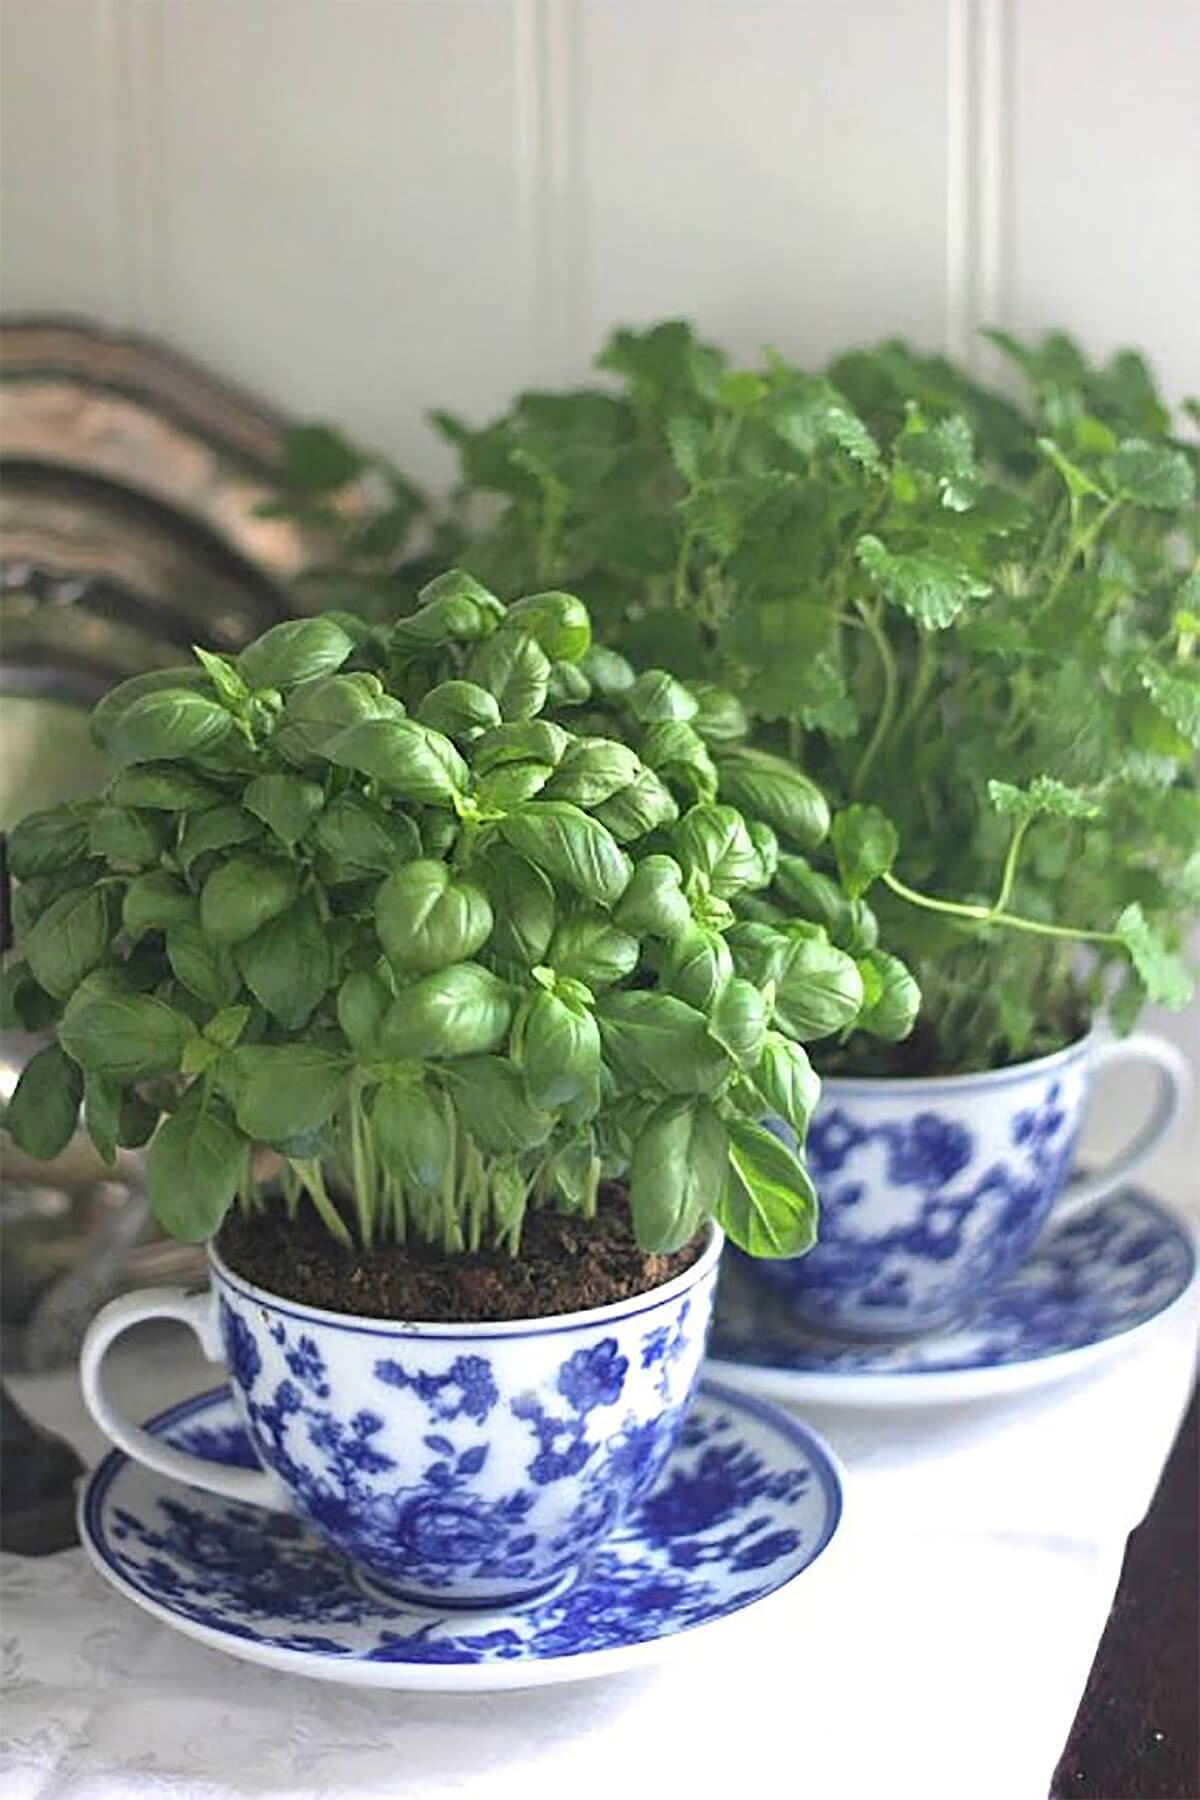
{"x":748,"y":1500}
{"x":1086,"y":1288}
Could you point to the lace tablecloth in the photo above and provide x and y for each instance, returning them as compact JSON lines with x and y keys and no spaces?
{"x":941,"y":1652}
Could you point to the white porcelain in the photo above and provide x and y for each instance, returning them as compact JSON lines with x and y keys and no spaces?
{"x":460,"y":1464}
{"x":932,"y":1192}
{"x":749,"y":1500}
{"x":1092,"y":1289}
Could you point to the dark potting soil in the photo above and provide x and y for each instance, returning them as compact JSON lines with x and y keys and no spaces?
{"x":565,"y":1265}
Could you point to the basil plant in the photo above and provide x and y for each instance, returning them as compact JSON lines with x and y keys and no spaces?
{"x":456,"y":916}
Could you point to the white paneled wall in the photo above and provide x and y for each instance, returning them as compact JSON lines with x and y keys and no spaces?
{"x":363,"y":207}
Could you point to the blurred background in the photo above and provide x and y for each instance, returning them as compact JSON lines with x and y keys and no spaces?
{"x":358,"y":209}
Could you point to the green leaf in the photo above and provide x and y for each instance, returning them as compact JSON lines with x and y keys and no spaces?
{"x":658,"y":1039}
{"x":1078,"y":483}
{"x":514,"y":668}
{"x":286,"y":1090}
{"x":945,"y":452}
{"x":412,"y":1134}
{"x":768,"y":1206}
{"x":460,"y":1011}
{"x":220,"y":828}
{"x":525,"y":740}
{"x":288,"y":964}
{"x":126,"y":1036}
{"x":592,"y":770}
{"x":493,"y":1105}
{"x":930,"y":589}
{"x":588,"y":947}
{"x":231,"y":689}
{"x":286,"y":803}
{"x":193,"y":1168}
{"x":154,"y":902}
{"x":559,"y":622}
{"x":427,"y":918}
{"x":698,"y":967}
{"x":738,"y":1021}
{"x":1176,"y":694}
{"x":363,"y":838}
{"x":646,"y":805}
{"x":768,"y":788}
{"x":820,"y":989}
{"x":1163,"y":974}
{"x":656,"y":698}
{"x":866,"y":844}
{"x":610,"y":674}
{"x":44,"y":843}
{"x":713,"y":844}
{"x":570,"y":846}
{"x":654,"y":903}
{"x":102,"y":1098}
{"x":559,"y":1052}
{"x":152,"y":681}
{"x":242,"y":895}
{"x":787,"y":1081}
{"x":810,"y":413}
{"x":204,"y":968}
{"x":459,"y":709}
{"x":454,"y":607}
{"x":43,"y":1113}
{"x":522,"y":902}
{"x":125,"y":837}
{"x":174,"y":722}
{"x":418,"y":764}
{"x":1153,"y":475}
{"x":318,"y":460}
{"x":362,"y":1006}
{"x":163,"y":789}
{"x":317,"y":711}
{"x":891,"y":1011}
{"x":677,"y":1171}
{"x":69,"y":940}
{"x":298,"y":650}
{"x":679,"y":754}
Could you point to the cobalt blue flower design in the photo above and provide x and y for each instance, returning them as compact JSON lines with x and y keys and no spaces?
{"x":747,"y":1500}
{"x":1090,"y":1280}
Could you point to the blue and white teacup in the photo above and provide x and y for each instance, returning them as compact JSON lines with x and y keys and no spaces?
{"x":470,"y":1465}
{"x":933,"y":1190}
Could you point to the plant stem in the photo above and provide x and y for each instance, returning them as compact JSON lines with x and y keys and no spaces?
{"x":987,"y":915}
{"x":1009,"y":874}
{"x":887,"y":706}
{"x":309,"y":1171}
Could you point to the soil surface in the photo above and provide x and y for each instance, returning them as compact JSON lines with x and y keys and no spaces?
{"x":565,"y":1265}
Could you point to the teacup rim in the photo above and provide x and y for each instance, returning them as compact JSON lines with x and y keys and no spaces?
{"x":478,"y":1330}
{"x":1008,"y":1076}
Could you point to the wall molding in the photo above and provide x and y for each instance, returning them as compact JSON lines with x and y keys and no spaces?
{"x":548,"y":52}
{"x":979,"y":64}
{"x":129,"y":70}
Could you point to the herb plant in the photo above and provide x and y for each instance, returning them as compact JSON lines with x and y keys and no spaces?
{"x":974,"y":622}
{"x":356,"y":897}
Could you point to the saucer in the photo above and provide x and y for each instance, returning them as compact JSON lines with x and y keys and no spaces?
{"x":1087,"y":1289}
{"x":747,"y":1501}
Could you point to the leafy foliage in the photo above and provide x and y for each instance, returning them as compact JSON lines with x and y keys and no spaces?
{"x":423,"y":938}
{"x":978,"y":618}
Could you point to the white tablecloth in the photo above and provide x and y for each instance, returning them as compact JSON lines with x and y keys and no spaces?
{"x":940,"y":1652}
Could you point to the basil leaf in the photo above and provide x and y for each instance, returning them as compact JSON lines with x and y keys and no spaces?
{"x":46,"y":842}
{"x":298,"y":650}
{"x":69,"y":940}
{"x":820,"y":989}
{"x":698,"y":966}
{"x":362,"y":1005}
{"x":592,"y":770}
{"x":568,"y":686}
{"x":43,"y":1113}
{"x":865,"y":843}
{"x":522,"y":902}
{"x":768,"y":1205}
{"x":494,"y":1107}
{"x":569,"y":846}
{"x":126,"y":1036}
{"x":412,"y":1134}
{"x":461,"y":1011}
{"x":654,"y":904}
{"x":242,"y":895}
{"x":107,"y":711}
{"x":288,"y":964}
{"x":127,"y":837}
{"x":163,"y":789}
{"x":155,"y":901}
{"x":759,"y":950}
{"x":175,"y":722}
{"x":193,"y":1168}
{"x":720,"y":716}
{"x":787,"y":1081}
{"x":220,"y":828}
{"x":892,"y":1012}
{"x":713,"y":842}
{"x":646,"y":805}
{"x":454,"y":608}
{"x":204,"y":968}
{"x":231,"y":690}
{"x":286,"y":1090}
{"x":512,"y":667}
{"x":559,"y":1052}
{"x":317,"y":711}
{"x":526,"y":740}
{"x":512,"y":784}
{"x":589,"y":948}
{"x":656,"y":697}
{"x":425,"y":918}
{"x":679,"y":754}
{"x":679,"y":1162}
{"x":558,"y":621}
{"x":608,"y":672}
{"x":286,"y":803}
{"x":459,"y":709}
{"x":817,"y":896}
{"x":650,"y":1037}
{"x":363,"y":838}
{"x":770,"y":789}
{"x":419,"y":764}
{"x":102,"y":1115}
{"x":738,"y":1021}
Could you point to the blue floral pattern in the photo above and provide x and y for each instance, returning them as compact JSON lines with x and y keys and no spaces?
{"x":922,"y":1210}
{"x":746,"y":1502}
{"x":1090,"y":1280}
{"x":474,"y":1470}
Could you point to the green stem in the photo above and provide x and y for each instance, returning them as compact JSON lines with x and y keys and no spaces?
{"x":887,"y":707}
{"x":679,"y":586}
{"x":1009,"y":874}
{"x":922,"y":681}
{"x":987,"y":915}
{"x":309,"y":1171}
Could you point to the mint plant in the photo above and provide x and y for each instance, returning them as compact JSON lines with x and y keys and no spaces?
{"x":974,"y":623}
{"x":357,"y":898}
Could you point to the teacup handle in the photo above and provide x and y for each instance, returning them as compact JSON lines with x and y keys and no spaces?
{"x":257,"y":1486}
{"x":1174,"y":1092}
